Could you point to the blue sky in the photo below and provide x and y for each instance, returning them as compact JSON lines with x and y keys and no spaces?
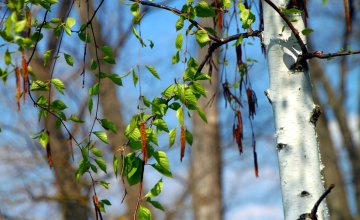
{"x":245,"y":196}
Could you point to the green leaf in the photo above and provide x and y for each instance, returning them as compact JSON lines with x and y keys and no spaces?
{"x":152,"y":71}
{"x":101,"y":163}
{"x":108,"y":125}
{"x":226,"y":3}
{"x":307,"y":31}
{"x":102,"y":136}
{"x":58,"y":105}
{"x":94,"y":90}
{"x":188,"y":137}
{"x":144,"y":213}
{"x":138,"y":37}
{"x":169,"y":91}
{"x":180,"y":23}
{"x":39,"y":85}
{"x":202,"y":114}
{"x":93,"y":65}
{"x":74,"y":118}
{"x":176,"y":58}
{"x":156,"y":204}
{"x":69,"y":59}
{"x":90,"y":104}
{"x":202,"y":37}
{"x":135,"y":77}
{"x":70,"y":22}
{"x":84,"y":153}
{"x":162,"y":165}
{"x":96,"y":152}
{"x":161,"y":124}
{"x":59,"y":85}
{"x":179,"y":41}
{"x":115,"y":78}
{"x":116,"y":165}
{"x":156,"y":190}
{"x":20,"y":26}
{"x":246,"y":16}
{"x":135,"y":9}
{"x":44,"y":138}
{"x":172,"y":135}
{"x":105,"y":201}
{"x":151,"y":136}
{"x":105,"y":185}
{"x":203,"y":9}
{"x":7,"y":57}
{"x":180,"y":115}
{"x":47,"y":55}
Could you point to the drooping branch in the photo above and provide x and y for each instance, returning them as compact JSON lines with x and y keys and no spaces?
{"x":179,"y":13}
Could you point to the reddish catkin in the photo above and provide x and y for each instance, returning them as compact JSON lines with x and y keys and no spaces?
{"x":48,"y":152}
{"x":143,"y":141}
{"x":25,"y":75}
{"x":182,"y":142}
{"x":29,"y":21}
{"x":238,"y":131}
{"x":18,"y":93}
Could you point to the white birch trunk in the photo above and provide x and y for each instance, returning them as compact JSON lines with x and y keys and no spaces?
{"x":290,"y":95}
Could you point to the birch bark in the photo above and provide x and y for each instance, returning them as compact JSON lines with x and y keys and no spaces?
{"x":290,"y":95}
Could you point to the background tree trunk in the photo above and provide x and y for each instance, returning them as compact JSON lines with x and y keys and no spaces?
{"x":290,"y":94}
{"x":206,"y":150}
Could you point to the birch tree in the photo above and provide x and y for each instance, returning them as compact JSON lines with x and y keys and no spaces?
{"x":294,"y":111}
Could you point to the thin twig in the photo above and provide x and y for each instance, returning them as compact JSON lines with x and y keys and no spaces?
{"x":179,"y":13}
{"x":317,"y":204}
{"x":290,"y":25}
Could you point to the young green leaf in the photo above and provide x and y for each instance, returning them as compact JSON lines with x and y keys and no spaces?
{"x":307,"y":31}
{"x":59,"y":85}
{"x":58,"y":105}
{"x":96,"y":152}
{"x":69,"y":59}
{"x":93,"y":65}
{"x":188,"y":137}
{"x":156,"y":204}
{"x":172,"y":135}
{"x":203,"y":9}
{"x":179,"y":41}
{"x":202,"y":37}
{"x":156,"y":190}
{"x":101,"y":163}
{"x":7,"y":57}
{"x":102,"y":136}
{"x":180,"y":115}
{"x":179,"y":23}
{"x":144,"y":213}
{"x":90,"y":104}
{"x":74,"y":118}
{"x":162,"y":165}
{"x":47,"y":55}
{"x":161,"y":125}
{"x":105,"y":185}
{"x":94,"y":90}
{"x":202,"y":114}
{"x":70,"y":22}
{"x":44,"y":138}
{"x":108,"y":125}
{"x":152,"y":71}
{"x":175,"y":58}
{"x":115,"y":165}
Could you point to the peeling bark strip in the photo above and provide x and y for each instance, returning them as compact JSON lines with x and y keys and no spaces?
{"x":299,"y":165}
{"x":182,"y":142}
{"x":144,"y":149}
{"x":315,"y":114}
{"x":97,"y":207}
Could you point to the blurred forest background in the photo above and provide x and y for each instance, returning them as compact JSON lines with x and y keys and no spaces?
{"x":30,"y":190}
